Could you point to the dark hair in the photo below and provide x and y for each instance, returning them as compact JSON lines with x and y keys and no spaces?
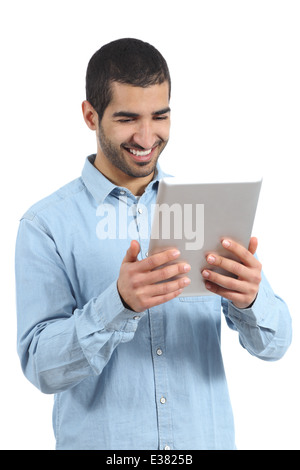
{"x":129,"y":61}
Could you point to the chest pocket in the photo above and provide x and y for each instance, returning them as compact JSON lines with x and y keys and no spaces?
{"x":206,"y":304}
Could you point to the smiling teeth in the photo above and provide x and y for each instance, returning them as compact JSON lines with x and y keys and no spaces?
{"x":140,"y":154}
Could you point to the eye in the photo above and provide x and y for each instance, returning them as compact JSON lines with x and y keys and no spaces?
{"x":161,"y":118}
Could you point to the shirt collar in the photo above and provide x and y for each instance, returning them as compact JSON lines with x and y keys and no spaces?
{"x":100,"y":187}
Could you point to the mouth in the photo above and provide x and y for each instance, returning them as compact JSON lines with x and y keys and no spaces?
{"x":141,"y":155}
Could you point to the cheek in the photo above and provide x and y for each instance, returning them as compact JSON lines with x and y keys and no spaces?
{"x":120,"y":136}
{"x":165,"y":131}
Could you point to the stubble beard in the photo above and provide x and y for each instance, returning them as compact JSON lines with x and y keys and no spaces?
{"x":116,"y":157}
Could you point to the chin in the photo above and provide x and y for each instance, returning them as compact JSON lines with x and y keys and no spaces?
{"x":145,"y":168}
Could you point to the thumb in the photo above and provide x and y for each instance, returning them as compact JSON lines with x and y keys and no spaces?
{"x":253,"y":245}
{"x":132,"y":252}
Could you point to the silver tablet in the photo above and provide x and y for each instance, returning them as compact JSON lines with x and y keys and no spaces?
{"x":195,"y":218}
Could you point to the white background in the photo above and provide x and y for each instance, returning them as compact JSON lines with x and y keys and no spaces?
{"x":235,"y":110}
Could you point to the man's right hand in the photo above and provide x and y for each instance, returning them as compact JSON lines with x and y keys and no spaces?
{"x":139,"y":282}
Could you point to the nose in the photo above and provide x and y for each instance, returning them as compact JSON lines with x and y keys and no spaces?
{"x":145,"y":135}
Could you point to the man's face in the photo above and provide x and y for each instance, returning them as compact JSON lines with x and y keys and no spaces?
{"x":134,"y":129}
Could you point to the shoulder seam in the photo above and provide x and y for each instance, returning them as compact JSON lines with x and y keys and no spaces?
{"x":33,"y":212}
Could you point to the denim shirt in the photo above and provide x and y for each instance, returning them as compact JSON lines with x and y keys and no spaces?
{"x":120,"y":379}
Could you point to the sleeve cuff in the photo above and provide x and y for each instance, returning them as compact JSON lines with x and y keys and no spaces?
{"x":254,"y":314}
{"x":112,"y":314}
{"x":107,"y":312}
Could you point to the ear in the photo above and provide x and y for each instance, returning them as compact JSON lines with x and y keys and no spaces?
{"x":90,"y":115}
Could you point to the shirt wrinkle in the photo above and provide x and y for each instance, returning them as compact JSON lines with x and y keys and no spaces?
{"x":121,"y":379}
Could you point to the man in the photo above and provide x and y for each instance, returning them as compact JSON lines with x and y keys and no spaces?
{"x":131,"y":364}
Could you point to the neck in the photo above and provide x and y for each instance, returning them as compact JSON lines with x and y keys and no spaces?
{"x":136,"y":185}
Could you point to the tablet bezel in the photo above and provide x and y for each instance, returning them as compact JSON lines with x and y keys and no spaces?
{"x":229,"y":212}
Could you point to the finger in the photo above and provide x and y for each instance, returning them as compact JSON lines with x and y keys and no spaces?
{"x":223,"y":292}
{"x":162,"y":274}
{"x":161,"y":293}
{"x":165,"y":288}
{"x":161,"y":299}
{"x":228,"y":264}
{"x":245,"y":256}
{"x":240,"y":300}
{"x":146,"y":296}
{"x":253,"y":245}
{"x":226,"y":282}
{"x":158,"y":259}
{"x":132,"y":252}
{"x":216,"y":289}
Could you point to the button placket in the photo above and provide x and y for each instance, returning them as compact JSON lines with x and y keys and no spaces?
{"x":142,"y":222}
{"x":165,"y":428}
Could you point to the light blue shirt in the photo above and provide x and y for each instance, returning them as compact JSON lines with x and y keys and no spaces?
{"x":122,"y":380}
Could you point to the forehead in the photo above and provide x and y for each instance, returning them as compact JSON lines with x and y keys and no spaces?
{"x":137,"y":99}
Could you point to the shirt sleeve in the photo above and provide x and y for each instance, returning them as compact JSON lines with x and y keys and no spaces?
{"x":265,"y":329}
{"x":59,"y":344}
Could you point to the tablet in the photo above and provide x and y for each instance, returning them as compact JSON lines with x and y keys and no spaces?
{"x":195,"y":218}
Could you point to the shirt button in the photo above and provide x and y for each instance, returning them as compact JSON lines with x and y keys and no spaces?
{"x":136,"y":317}
{"x":159,"y":352}
{"x":167,"y":448}
{"x":122,"y":192}
{"x":163,"y":400}
{"x":140,"y":210}
{"x":146,"y":254}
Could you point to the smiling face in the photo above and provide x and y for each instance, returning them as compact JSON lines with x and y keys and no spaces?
{"x":132,"y":134}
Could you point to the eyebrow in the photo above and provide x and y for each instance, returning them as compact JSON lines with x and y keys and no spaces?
{"x":161,"y":111}
{"x":135,"y":115}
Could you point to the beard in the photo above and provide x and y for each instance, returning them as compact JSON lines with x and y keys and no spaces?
{"x":120,"y":157}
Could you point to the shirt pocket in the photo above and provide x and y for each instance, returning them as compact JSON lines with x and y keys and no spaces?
{"x":207,"y":305}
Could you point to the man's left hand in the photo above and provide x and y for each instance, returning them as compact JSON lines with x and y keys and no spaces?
{"x":243,"y":290}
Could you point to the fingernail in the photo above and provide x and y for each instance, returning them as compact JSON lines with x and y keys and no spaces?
{"x":205,"y":274}
{"x":175,"y":253}
{"x":211,"y":259}
{"x":226,"y":243}
{"x":186,"y":268}
{"x":186,"y":281}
